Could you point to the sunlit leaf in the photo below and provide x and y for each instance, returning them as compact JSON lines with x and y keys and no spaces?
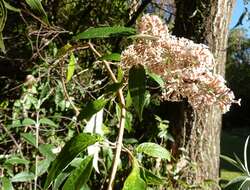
{"x":80,"y":175}
{"x":105,"y":32}
{"x":28,"y":122}
{"x":37,"y":6}
{"x":23,"y":177}
{"x":137,"y":88}
{"x":154,"y":150}
{"x":71,"y":67}
{"x":119,"y":74}
{"x":72,"y":148}
{"x":11,"y":8}
{"x":134,"y":180}
{"x":6,"y":184}
{"x":112,"y":57}
{"x":236,"y":181}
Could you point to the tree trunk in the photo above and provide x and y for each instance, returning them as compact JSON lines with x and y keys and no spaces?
{"x":204,"y":21}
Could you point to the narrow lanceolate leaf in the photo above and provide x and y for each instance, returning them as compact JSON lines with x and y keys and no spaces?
{"x":80,"y":175}
{"x":154,"y":150}
{"x":134,"y":180}
{"x":91,"y":108}
{"x":236,"y":182}
{"x":3,"y":17}
{"x":112,"y":88}
{"x":157,"y":79}
{"x":37,"y":6}
{"x":245,"y":156}
{"x":71,"y":67}
{"x":72,"y":148}
{"x":137,"y":88}
{"x":112,"y":57}
{"x":11,"y":8}
{"x":6,"y":184}
{"x":23,"y":177}
{"x":105,"y":32}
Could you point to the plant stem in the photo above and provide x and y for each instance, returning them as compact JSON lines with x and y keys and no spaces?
{"x":37,"y":125}
{"x":121,"y":123}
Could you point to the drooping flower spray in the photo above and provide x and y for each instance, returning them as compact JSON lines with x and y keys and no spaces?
{"x":185,"y":67}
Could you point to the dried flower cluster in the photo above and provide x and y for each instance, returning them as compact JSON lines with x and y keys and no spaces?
{"x":184,"y":65}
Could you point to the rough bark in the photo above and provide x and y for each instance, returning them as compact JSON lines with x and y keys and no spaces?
{"x":204,"y":21}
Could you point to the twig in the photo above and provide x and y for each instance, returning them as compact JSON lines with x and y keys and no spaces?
{"x":121,"y":123}
{"x":67,"y":95}
{"x":13,"y":139}
{"x":143,"y":5}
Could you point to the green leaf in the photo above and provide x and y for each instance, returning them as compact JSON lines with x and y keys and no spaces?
{"x":92,"y":108}
{"x":137,"y":88}
{"x":64,"y":50}
{"x":16,"y":160}
{"x":42,"y":166}
{"x":28,"y":122}
{"x":154,"y":150}
{"x":128,"y":119}
{"x":134,"y":180}
{"x":45,"y":150}
{"x":11,"y":8}
{"x":112,"y":57}
{"x":37,"y":6}
{"x":236,"y":181}
{"x":119,"y":74}
{"x":2,"y":46}
{"x":156,"y":78}
{"x":113,"y":87}
{"x":151,"y":178}
{"x":46,"y":121}
{"x":80,"y":175}
{"x":232,"y":161}
{"x":29,"y":138}
{"x":60,"y":179}
{"x":3,"y":18}
{"x":128,"y":100}
{"x":71,"y":67}
{"x":23,"y":177}
{"x":6,"y":184}
{"x":105,"y":32}
{"x":72,"y":148}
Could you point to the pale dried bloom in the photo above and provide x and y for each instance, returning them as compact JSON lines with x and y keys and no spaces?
{"x":184,"y":65}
